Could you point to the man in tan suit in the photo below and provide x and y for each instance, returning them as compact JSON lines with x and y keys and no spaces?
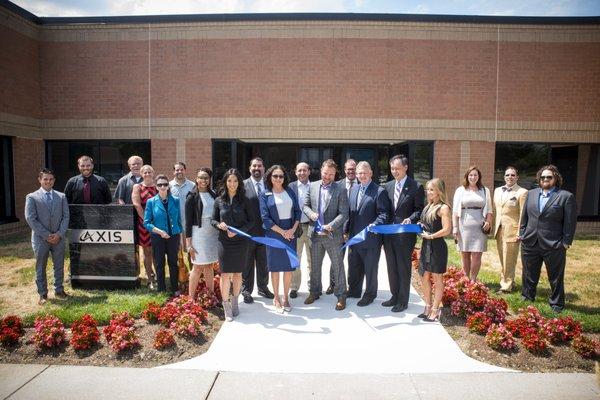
{"x":509,"y":201}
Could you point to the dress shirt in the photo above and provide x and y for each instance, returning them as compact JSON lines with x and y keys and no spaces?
{"x":349,"y":183}
{"x":181,"y":191}
{"x":323,"y":192}
{"x":544,"y":197}
{"x":257,"y":185}
{"x":398,"y":190}
{"x":506,"y":192}
{"x":303,"y":189}
{"x":125,"y":187}
{"x":99,"y":191}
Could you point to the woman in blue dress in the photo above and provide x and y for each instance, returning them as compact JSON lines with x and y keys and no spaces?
{"x":280,"y":213}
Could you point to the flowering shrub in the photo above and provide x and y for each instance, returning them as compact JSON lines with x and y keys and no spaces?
{"x":167,"y":314}
{"x":11,"y":330}
{"x":529,"y":320}
{"x":535,"y":341}
{"x":151,"y":312}
{"x":586,"y":347}
{"x":476,"y":295}
{"x":49,"y":332}
{"x":84,"y":333}
{"x":117,"y":320}
{"x":453,"y":273}
{"x":461,"y":308}
{"x":450,"y":292}
{"x":206,"y":299}
{"x":496,"y":310}
{"x":187,"y":324}
{"x":180,"y":305}
{"x":163,"y":339}
{"x":562,"y":329}
{"x":479,"y":323}
{"x":500,"y":338}
{"x":123,"y":337}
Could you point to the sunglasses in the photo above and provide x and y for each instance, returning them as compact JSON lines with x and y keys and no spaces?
{"x":546,"y":177}
{"x":203,"y":178}
{"x":162,"y":185}
{"x":507,"y":175}
{"x":277,"y":176}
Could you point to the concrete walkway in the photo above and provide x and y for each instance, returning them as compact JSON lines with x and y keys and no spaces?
{"x":91,"y":383}
{"x":318,"y":339}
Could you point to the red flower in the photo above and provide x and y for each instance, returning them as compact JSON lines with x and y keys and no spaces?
{"x":11,"y":330}
{"x":500,"y":338}
{"x":163,"y":339}
{"x":151,"y":312}
{"x":562,"y":329}
{"x":84,"y":333}
{"x":479,"y":323}
{"x":49,"y":332}
{"x":496,"y":310}
{"x":586,"y":347}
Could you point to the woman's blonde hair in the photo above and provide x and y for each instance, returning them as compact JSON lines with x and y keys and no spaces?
{"x":145,"y":167}
{"x":431,"y":209}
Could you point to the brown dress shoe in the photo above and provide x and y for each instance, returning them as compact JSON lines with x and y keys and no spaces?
{"x":341,"y":304}
{"x":43,"y":300}
{"x":311,"y":298}
{"x":62,"y":295}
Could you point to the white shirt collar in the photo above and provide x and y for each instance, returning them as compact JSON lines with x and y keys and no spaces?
{"x":402,"y":181}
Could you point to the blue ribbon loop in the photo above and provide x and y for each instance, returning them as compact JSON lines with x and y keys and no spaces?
{"x":271,"y":242}
{"x":391,"y":229}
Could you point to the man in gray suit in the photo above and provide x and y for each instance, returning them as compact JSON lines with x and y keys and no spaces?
{"x":47,"y":214}
{"x":301,"y":188}
{"x":547,"y":229}
{"x":327,"y":203}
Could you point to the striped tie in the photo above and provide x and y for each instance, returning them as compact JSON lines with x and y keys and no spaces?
{"x":397,"y":194}
{"x":361,"y":193}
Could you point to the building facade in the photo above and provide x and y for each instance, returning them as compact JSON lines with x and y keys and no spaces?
{"x":216,"y":90}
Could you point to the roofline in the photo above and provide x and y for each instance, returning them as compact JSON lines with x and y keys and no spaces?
{"x":179,"y":18}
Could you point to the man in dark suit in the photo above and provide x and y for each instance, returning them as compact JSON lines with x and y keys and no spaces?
{"x":327,"y":203}
{"x":47,"y":214}
{"x":546,"y":233}
{"x":87,"y":187}
{"x":257,"y":257}
{"x":407,"y":198}
{"x":301,"y":188}
{"x":369,"y":205}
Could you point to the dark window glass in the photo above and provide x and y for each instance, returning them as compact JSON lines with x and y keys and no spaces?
{"x":110,"y":158}
{"x":421,"y":161}
{"x":222,"y":156}
{"x":526,"y":157}
{"x":7,"y":191}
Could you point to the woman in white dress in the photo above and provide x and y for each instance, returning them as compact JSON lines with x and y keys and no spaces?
{"x":472,"y":220}
{"x":200,"y":236}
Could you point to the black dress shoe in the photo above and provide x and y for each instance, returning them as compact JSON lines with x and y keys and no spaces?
{"x":293,"y":294}
{"x":353,"y":296}
{"x":389,"y":303}
{"x":365,"y":301}
{"x":62,"y":295}
{"x":526,"y":299}
{"x":399,"y":308}
{"x":557,"y":309}
{"x":311,"y":298}
{"x":248,"y":298}
{"x":266,"y":293}
{"x":43,"y":299}
{"x":330,"y":289}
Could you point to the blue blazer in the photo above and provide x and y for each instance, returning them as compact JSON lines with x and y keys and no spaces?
{"x":373,"y":209}
{"x":155,"y":214}
{"x":268,"y":209}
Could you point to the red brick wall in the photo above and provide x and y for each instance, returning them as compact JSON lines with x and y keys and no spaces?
{"x":198,"y":153}
{"x":28,"y":159}
{"x":19,"y":74}
{"x":483,"y":155}
{"x":446,"y":164}
{"x":164,"y":155}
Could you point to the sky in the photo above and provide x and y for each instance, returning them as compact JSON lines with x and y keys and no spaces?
{"x":71,"y":8}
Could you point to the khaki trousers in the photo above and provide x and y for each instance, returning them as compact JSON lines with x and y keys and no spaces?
{"x":508,"y":253}
{"x":302,"y":241}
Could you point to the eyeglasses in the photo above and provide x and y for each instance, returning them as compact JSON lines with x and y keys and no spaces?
{"x":162,"y":185}
{"x":546,"y":177}
{"x":507,"y":175}
{"x":277,"y":176}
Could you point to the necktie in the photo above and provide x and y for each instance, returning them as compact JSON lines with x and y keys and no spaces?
{"x":350,"y":185}
{"x":397,"y":194}
{"x":258,"y":188}
{"x":361,"y":193}
{"x":87,"y":191}
{"x":506,"y":189}
{"x":49,"y":200}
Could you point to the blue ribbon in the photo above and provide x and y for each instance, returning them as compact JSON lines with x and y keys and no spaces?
{"x":391,"y":229}
{"x":271,"y":242}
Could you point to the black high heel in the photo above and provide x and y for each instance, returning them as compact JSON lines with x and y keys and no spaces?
{"x":425,"y":313}
{"x":437,"y":312}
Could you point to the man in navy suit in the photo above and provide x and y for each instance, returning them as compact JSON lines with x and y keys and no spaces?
{"x":369,"y":205}
{"x":407,"y":198}
{"x":546,"y":233}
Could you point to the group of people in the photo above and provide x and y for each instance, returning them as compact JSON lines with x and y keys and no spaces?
{"x":316,"y":218}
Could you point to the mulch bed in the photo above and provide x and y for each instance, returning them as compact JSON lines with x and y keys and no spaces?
{"x":144,"y":356}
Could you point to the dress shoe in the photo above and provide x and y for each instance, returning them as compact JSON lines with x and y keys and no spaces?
{"x":389,"y":303}
{"x":311,"y":298}
{"x":266,"y":293}
{"x":353,"y":296}
{"x":62,"y":295}
{"x":341,"y":304}
{"x":43,"y":300}
{"x":248,"y":298}
{"x":526,"y":299}
{"x":330,"y":289}
{"x":293,"y":294}
{"x":399,"y":308}
{"x":365,"y":301}
{"x":557,"y":309}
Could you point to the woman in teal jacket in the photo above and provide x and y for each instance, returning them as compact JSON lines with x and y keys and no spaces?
{"x":162,"y":219}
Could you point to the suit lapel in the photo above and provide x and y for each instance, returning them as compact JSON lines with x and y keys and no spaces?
{"x":329,"y":195}
{"x":403,"y":192}
{"x":552,"y":199}
{"x":390,"y":190}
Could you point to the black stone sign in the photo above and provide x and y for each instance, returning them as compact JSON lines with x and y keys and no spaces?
{"x":102,"y":246}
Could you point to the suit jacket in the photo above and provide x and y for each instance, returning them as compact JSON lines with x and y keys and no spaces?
{"x":554,"y":226}
{"x":155,"y":214}
{"x":100,"y":193}
{"x":268,"y":209}
{"x":236,"y":214}
{"x":335,"y":208}
{"x":373,"y":209}
{"x":250,"y":189}
{"x":507,"y":213}
{"x":193,"y":211}
{"x":411,"y":202}
{"x":44,"y":220}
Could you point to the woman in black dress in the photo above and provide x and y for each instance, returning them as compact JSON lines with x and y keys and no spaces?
{"x":436,"y":220}
{"x":231,"y":208}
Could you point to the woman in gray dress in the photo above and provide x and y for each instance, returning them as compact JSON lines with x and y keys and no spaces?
{"x":472,"y":220}
{"x":200,"y":236}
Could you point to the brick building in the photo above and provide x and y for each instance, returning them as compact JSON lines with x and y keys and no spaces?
{"x":215,"y":90}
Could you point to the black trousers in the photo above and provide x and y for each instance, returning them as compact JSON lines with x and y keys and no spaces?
{"x":257,"y":257}
{"x":532,"y":258}
{"x":363,"y":262}
{"x":398,"y":255}
{"x":170,"y":248}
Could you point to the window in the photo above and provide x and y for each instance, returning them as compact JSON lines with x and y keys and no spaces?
{"x":7,"y":191}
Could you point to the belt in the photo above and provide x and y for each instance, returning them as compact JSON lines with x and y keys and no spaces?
{"x":472,"y":208}
{"x":304,"y":223}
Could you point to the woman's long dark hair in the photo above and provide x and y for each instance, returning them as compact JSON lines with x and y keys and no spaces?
{"x":239,"y":193}
{"x":269,"y":183}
